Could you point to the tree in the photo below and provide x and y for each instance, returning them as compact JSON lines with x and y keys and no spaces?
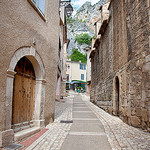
{"x":83,"y":38}
{"x":77,"y":56}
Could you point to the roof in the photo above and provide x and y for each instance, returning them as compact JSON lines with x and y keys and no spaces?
{"x":76,"y":62}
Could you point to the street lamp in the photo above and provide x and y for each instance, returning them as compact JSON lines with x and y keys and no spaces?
{"x":68,"y":7}
{"x":69,"y":10}
{"x":64,"y":2}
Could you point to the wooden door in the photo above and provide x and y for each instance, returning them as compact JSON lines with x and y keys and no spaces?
{"x":117,"y":96}
{"x":23,"y":94}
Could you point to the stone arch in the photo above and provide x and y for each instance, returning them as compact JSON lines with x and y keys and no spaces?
{"x":35,"y":59}
{"x":116,"y":95}
{"x":33,"y":56}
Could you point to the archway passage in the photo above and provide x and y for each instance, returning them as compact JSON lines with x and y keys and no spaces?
{"x":117,"y":95}
{"x":23,"y":94}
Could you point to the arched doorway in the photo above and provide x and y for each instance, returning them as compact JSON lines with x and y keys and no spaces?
{"x":23,"y":95}
{"x":37,"y":117}
{"x":117,"y":95}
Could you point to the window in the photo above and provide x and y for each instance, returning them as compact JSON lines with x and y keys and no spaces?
{"x":82,"y":67}
{"x":82,"y":76}
{"x":39,"y":6}
{"x":68,"y":66}
{"x":67,"y":77}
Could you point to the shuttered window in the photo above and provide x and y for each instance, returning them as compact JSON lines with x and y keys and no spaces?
{"x":82,"y":67}
{"x":82,"y":76}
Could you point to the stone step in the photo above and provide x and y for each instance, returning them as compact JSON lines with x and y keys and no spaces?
{"x":25,"y":133}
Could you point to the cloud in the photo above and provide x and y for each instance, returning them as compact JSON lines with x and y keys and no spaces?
{"x":78,"y":3}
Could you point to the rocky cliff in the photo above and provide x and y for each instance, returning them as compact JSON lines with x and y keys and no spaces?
{"x":83,"y":22}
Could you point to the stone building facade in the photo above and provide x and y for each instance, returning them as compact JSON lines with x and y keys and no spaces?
{"x":62,"y":55}
{"x":65,"y":10}
{"x":88,"y":51}
{"x":28,"y":66}
{"x":121,"y":62}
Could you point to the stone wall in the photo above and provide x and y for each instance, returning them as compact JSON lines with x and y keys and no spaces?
{"x":121,"y":64}
{"x":102,"y":71}
{"x":120,"y":51}
{"x":138,"y":70}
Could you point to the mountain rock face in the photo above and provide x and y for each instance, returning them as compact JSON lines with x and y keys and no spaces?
{"x":83,"y":22}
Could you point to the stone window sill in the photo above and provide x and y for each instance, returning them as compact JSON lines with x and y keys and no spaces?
{"x":37,"y":10}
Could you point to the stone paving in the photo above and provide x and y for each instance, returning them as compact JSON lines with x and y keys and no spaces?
{"x":120,"y":135}
{"x":87,"y":131}
{"x":55,"y":136}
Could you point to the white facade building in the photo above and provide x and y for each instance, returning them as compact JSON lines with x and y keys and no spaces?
{"x":76,"y":72}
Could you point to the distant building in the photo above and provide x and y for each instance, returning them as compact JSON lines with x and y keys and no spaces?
{"x":88,"y":51}
{"x":68,"y":70}
{"x":62,"y":55}
{"x":76,"y":74}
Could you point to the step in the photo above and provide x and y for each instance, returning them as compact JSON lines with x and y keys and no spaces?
{"x":26,"y":133}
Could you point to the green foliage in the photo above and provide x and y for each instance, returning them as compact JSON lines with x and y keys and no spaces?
{"x":80,"y":20}
{"x":79,"y":87}
{"x":77,"y":56}
{"x":72,"y":30}
{"x":70,"y":20}
{"x":83,"y":38}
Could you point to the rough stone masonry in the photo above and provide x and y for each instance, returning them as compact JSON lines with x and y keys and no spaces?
{"x":120,"y":81}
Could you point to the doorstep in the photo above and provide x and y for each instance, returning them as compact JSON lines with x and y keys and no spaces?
{"x":19,"y":136}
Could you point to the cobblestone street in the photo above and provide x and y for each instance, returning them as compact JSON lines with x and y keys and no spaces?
{"x":92,"y":129}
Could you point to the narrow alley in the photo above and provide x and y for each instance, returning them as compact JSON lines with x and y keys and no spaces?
{"x":75,"y":75}
{"x":80,"y":125}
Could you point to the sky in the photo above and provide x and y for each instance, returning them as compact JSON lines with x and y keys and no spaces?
{"x":78,"y":3}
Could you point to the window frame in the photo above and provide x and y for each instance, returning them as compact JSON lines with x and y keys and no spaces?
{"x":82,"y":75}
{"x":37,"y":9}
{"x":67,"y":77}
{"x":81,"y":67}
{"x":84,"y":67}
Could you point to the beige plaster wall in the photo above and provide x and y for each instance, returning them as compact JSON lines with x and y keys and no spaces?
{"x":21,"y":25}
{"x":88,"y":66}
{"x":76,"y":72}
{"x":68,"y":69}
